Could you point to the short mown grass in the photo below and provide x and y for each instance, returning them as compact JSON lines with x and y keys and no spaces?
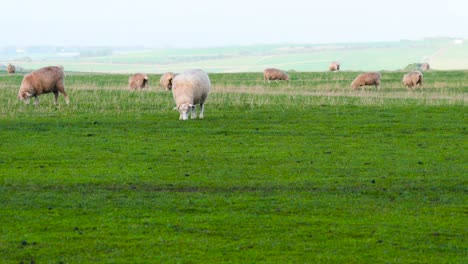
{"x":282,"y":173}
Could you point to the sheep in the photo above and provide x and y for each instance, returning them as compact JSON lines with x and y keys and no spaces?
{"x":166,"y":80}
{"x":274,"y":74}
{"x":412,"y":79}
{"x":334,"y":66}
{"x":189,"y":89}
{"x":137,"y":81}
{"x":368,"y":78}
{"x":45,"y":80}
{"x":425,"y":67}
{"x":11,"y":69}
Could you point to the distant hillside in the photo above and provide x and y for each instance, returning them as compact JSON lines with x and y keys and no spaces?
{"x":441,"y":53}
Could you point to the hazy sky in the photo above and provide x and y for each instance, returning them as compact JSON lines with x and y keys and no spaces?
{"x":217,"y":23}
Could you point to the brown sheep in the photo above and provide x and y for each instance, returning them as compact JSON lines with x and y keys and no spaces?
{"x":368,"y":78}
{"x":137,"y":81}
{"x":334,"y":66}
{"x":425,"y":66}
{"x":11,"y":69}
{"x":166,"y":80}
{"x":274,"y":74}
{"x":45,"y":80}
{"x":413,"y":79}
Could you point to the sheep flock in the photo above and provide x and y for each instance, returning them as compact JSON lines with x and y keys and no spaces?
{"x":189,"y":88}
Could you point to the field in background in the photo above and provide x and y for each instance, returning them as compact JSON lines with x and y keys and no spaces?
{"x":300,"y":172}
{"x":442,"y":54}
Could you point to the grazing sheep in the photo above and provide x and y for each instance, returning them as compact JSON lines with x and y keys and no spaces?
{"x":412,"y":79}
{"x":137,"y":81}
{"x":189,"y":89}
{"x":11,"y":69}
{"x":425,"y":67}
{"x":45,"y":80}
{"x":271,"y":74}
{"x":368,"y":78}
{"x":166,"y":80}
{"x":334,"y":66}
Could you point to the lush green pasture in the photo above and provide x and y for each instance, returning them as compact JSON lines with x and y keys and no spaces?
{"x":300,"y":172}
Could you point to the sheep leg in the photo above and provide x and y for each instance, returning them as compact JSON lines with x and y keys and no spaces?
{"x":36,"y":100}
{"x":55,"y":97}
{"x":193,"y":111}
{"x":202,"y":108}
{"x":67,"y":100}
{"x":61,"y":89}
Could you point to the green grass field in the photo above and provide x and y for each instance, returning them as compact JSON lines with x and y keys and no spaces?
{"x":300,"y":172}
{"x":442,"y":54}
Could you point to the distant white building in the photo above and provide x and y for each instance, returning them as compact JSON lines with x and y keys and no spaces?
{"x":458,"y":41}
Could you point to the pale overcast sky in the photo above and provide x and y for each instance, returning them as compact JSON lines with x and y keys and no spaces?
{"x":184,"y":23}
